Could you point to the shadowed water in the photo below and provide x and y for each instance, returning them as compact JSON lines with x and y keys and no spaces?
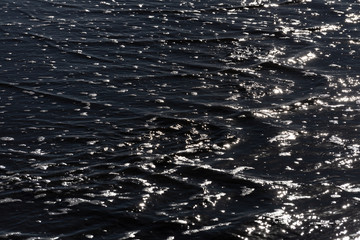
{"x":179,"y":119}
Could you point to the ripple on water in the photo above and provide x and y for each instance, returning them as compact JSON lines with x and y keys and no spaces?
{"x":178,"y":119}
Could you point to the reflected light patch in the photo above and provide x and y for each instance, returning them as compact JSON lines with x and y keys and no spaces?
{"x":352,"y":18}
{"x":284,"y":138}
{"x":302,"y":60}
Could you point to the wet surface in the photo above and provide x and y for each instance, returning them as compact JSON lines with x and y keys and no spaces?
{"x":178,"y":120}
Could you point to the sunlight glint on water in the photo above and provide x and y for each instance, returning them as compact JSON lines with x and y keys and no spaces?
{"x":178,"y":119}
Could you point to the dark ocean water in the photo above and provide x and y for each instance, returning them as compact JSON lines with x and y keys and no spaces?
{"x":202,"y":119}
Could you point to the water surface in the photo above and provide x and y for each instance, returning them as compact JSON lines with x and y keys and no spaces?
{"x":179,"y":119}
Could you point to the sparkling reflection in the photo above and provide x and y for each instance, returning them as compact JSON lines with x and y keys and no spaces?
{"x":175,"y":119}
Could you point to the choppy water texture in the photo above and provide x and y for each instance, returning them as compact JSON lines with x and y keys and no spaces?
{"x":179,"y":119}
